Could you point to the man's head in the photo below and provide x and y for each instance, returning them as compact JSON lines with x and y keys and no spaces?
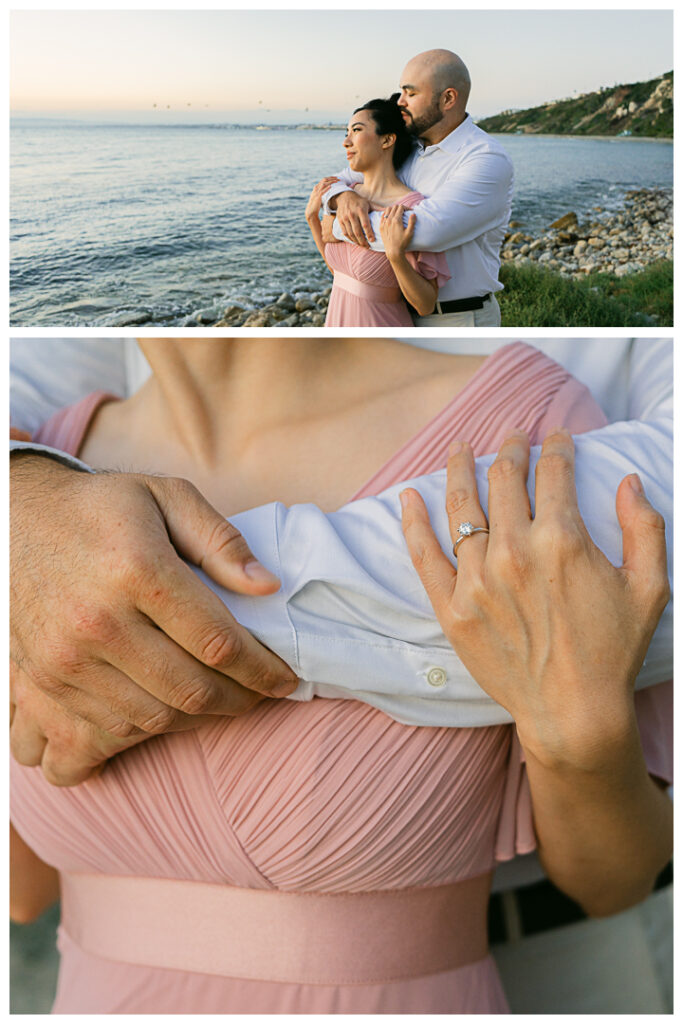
{"x":435,"y":87}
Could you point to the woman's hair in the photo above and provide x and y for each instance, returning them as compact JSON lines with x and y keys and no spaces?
{"x":389,"y":121}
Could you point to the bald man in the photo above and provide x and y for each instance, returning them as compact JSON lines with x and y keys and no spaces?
{"x":467,"y":178}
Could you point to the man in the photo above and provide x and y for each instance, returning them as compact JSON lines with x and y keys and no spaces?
{"x":77,"y":514}
{"x":631,"y":378}
{"x":467,"y":178}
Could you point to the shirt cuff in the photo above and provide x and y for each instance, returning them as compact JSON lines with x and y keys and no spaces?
{"x":51,"y":453}
{"x":334,"y":190}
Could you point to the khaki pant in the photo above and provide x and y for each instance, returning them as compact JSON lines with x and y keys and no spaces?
{"x":489,"y":316}
{"x":620,"y":964}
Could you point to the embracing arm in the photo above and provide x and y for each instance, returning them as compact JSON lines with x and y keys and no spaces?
{"x":474,"y":199}
{"x":355,"y":591}
{"x":313,"y":216}
{"x":417,"y":290}
{"x":34,"y":885}
{"x":556,"y":633}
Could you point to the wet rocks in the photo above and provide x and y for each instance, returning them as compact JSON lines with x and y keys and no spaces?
{"x":619,"y":243}
{"x":303,"y":308}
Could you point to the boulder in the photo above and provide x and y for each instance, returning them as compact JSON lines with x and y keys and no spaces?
{"x":568,"y":220}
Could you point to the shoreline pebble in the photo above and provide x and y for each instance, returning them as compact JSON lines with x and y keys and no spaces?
{"x":620,"y":242}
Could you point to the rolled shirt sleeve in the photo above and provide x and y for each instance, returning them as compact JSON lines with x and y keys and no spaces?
{"x":352,"y":617}
{"x":359,"y":623}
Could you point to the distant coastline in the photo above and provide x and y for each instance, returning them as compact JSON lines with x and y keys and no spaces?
{"x":638,"y":110}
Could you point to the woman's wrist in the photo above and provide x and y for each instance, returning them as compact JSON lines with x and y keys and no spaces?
{"x":397,"y":258}
{"x":588,"y":740}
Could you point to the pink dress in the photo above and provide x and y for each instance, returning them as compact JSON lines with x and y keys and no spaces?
{"x":308,"y":857}
{"x":365,"y":291}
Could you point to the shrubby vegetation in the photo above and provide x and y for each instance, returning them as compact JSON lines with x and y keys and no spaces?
{"x":537,"y":297}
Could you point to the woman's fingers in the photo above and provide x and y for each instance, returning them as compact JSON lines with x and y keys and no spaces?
{"x":644,"y":543}
{"x":463,"y":507}
{"x":555,"y":483}
{"x":509,"y":509}
{"x":433,"y":567}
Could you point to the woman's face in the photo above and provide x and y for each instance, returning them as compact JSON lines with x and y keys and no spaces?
{"x":364,"y":147}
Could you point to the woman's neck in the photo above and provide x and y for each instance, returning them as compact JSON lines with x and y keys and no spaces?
{"x":249,"y":421}
{"x":381,"y":183}
{"x":213,"y":396}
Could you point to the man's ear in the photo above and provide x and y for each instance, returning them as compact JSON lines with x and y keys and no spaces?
{"x":449,"y":98}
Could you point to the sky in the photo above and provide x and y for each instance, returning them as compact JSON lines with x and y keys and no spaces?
{"x":315,"y":64}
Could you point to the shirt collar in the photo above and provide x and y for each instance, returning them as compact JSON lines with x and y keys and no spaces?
{"x":453,"y":141}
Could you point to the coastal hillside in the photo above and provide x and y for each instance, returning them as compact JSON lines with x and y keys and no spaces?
{"x":641,"y":109}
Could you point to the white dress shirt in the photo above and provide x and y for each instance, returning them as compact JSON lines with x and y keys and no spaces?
{"x":468,"y":180}
{"x":351,"y":617}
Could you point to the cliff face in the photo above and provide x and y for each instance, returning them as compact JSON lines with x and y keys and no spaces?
{"x":644,"y":108}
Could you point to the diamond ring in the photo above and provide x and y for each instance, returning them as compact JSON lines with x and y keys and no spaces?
{"x":466,"y":530}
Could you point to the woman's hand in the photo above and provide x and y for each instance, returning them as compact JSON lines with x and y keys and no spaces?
{"x":315,"y":200}
{"x":395,"y":236}
{"x":544,"y":622}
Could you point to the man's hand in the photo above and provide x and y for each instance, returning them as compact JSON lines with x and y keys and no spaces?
{"x":353,"y":217}
{"x":544,"y":622}
{"x":116,"y":631}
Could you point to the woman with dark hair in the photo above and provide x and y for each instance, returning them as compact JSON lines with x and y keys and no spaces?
{"x":374,"y":289}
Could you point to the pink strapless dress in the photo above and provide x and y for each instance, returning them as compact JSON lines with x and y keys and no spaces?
{"x":306,"y":858}
{"x":365,"y":291}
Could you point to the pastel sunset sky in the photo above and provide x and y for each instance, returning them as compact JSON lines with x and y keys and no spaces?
{"x":199,"y":65}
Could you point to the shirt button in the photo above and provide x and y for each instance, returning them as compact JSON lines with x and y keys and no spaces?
{"x":436,"y":677}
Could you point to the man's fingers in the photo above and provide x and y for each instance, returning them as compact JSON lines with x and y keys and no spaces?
{"x":555,"y":482}
{"x":203,"y":536}
{"x":366,"y":225}
{"x":509,"y":509}
{"x":186,"y":690}
{"x":435,"y":570}
{"x":644,"y":542}
{"x":197,"y":620}
{"x":109,"y":700}
{"x":358,"y":227}
{"x":26,"y":738}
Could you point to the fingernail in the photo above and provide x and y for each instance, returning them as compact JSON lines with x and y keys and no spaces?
{"x":636,"y":485}
{"x":454,"y":447}
{"x":284,"y":689}
{"x":258,"y":573}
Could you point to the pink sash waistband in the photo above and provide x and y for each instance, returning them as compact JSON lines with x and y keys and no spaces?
{"x":367,"y":291}
{"x":264,"y":934}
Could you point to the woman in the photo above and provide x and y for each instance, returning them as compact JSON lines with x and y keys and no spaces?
{"x":374,"y":289}
{"x":322,"y":857}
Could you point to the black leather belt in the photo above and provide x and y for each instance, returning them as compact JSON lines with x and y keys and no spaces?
{"x":462,"y":305}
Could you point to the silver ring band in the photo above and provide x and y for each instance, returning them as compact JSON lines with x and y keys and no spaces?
{"x":467,"y":530}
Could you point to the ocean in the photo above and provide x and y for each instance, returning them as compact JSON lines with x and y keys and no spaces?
{"x":115,"y":225}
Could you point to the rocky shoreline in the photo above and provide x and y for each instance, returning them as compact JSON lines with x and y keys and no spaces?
{"x":301,"y":309}
{"x":620,"y":243}
{"x":617,"y":243}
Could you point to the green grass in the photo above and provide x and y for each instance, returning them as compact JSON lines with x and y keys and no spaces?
{"x":537,"y":297}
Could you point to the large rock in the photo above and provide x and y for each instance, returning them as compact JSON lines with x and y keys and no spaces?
{"x":569,"y":220}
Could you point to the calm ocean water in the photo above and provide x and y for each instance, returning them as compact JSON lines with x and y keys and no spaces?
{"x":120,"y":224}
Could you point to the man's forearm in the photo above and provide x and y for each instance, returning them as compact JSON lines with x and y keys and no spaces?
{"x":358,"y":620}
{"x":346,"y":180}
{"x":472,"y":202}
